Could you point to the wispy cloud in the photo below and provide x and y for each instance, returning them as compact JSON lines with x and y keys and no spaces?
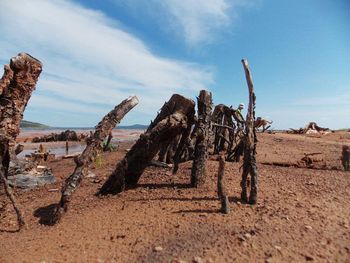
{"x":197,"y":22}
{"x":89,"y":58}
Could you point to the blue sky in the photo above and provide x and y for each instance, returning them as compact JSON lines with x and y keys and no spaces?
{"x":97,"y":53}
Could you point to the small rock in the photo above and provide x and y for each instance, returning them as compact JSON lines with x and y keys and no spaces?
{"x":158,"y":249}
{"x":197,"y":260}
{"x":309,"y":258}
{"x":53,"y":190}
{"x":278,"y":248}
{"x":308,"y":227}
{"x":90,"y":175}
{"x":241,"y":238}
{"x":247,"y":235}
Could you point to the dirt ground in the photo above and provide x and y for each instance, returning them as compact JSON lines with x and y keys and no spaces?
{"x":302,"y":214}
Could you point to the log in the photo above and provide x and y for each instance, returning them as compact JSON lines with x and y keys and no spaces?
{"x":250,"y":140}
{"x":103,"y":129}
{"x":225,"y":205}
{"x":16,"y":87}
{"x":199,"y":171}
{"x":173,"y":119}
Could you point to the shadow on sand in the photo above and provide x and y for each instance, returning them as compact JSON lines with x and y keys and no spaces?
{"x":46,"y":214}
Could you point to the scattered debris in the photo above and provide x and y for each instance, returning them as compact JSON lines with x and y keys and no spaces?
{"x":310,"y":128}
{"x":67,"y":135}
{"x":261,"y":122}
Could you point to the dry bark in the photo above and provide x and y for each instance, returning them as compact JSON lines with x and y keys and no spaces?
{"x":103,"y":129}
{"x":109,"y":139}
{"x":250,"y":140}
{"x":225,"y":206}
{"x":174,"y":118}
{"x":199,"y":172}
{"x":16,"y":87}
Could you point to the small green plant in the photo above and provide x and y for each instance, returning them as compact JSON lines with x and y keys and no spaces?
{"x":99,"y":160}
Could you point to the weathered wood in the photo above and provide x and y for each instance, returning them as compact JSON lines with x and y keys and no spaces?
{"x":3,"y":178}
{"x":16,"y":87}
{"x":173,"y":119}
{"x":88,"y":156}
{"x":199,"y":172}
{"x":225,"y":205}
{"x":250,"y":140}
{"x":222,"y":126}
{"x":109,"y":139}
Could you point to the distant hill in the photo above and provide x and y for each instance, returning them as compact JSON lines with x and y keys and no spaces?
{"x":133,"y":127}
{"x":33,"y":125}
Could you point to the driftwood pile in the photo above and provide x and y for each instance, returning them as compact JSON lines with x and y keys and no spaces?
{"x":67,"y":135}
{"x":310,"y":128}
{"x":177,"y":134}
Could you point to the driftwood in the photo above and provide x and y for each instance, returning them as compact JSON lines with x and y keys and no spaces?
{"x":67,"y":135}
{"x":225,"y":205}
{"x":16,"y":87}
{"x":310,"y":128}
{"x":174,"y":118}
{"x":250,"y":140}
{"x":199,"y":172}
{"x":88,"y":156}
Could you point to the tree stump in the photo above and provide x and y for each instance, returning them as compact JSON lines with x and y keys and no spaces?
{"x":199,"y":172}
{"x":16,"y":87}
{"x":174,"y":118}
{"x":103,"y":129}
{"x":250,"y":140}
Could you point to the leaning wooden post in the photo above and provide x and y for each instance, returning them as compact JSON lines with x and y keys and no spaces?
{"x":250,"y":140}
{"x":170,"y":122}
{"x":67,"y":147}
{"x":88,"y":156}
{"x":16,"y":87}
{"x":225,"y":205}
{"x":199,"y":172}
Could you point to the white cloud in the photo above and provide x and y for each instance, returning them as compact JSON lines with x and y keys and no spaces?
{"x":196,"y":21}
{"x":199,"y":19}
{"x":89,"y":58}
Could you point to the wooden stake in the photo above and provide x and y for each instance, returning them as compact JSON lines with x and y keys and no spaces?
{"x":225,"y":205}
{"x":250,"y":140}
{"x":67,"y":147}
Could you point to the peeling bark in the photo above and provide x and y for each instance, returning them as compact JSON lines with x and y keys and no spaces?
{"x":250,"y":140}
{"x":16,"y":87}
{"x":103,"y":129}
{"x":199,"y":172}
{"x":173,"y":119}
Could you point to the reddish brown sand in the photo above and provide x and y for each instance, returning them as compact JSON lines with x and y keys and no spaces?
{"x":301,"y":215}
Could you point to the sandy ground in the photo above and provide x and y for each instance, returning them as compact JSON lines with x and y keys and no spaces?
{"x":302,"y":214}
